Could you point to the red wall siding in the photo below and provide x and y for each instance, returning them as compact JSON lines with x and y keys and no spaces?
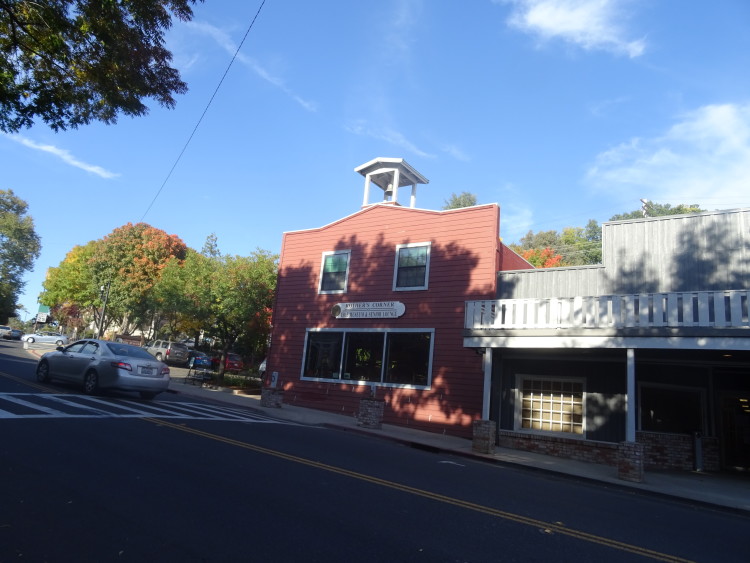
{"x":463,"y":257}
{"x":509,"y":260}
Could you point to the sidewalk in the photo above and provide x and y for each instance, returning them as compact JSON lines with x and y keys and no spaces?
{"x":717,"y":489}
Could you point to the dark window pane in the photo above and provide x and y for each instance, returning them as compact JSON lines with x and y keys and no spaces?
{"x":323,"y":354}
{"x":671,"y":410}
{"x":408,"y":358}
{"x":363,"y":357}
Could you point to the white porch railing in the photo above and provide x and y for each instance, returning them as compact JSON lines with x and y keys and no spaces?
{"x":719,"y":309}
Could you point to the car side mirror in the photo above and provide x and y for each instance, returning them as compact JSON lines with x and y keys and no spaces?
{"x":60,"y":349}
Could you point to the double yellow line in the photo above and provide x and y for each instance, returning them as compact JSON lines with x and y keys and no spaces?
{"x":546,"y":527}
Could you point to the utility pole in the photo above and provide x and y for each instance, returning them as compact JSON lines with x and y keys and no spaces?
{"x":104,"y":308}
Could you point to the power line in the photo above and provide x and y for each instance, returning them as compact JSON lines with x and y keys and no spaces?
{"x":208,"y":105}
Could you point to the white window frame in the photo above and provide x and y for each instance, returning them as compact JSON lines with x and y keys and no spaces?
{"x":385,"y":332}
{"x":322,"y":268}
{"x":518,"y":406}
{"x":426,"y":270}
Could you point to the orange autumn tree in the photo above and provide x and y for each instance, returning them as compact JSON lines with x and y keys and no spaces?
{"x":542,"y":258}
{"x":127,"y":263}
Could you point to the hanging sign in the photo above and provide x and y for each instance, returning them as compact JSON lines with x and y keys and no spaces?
{"x":368,"y":310}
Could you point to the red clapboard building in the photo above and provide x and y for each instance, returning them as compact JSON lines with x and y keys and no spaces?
{"x":372,"y":306}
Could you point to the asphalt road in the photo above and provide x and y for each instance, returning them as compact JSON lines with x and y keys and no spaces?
{"x":115,"y":478}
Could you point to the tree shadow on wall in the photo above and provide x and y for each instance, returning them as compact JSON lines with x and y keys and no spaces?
{"x":457,"y":372}
{"x":712,"y":257}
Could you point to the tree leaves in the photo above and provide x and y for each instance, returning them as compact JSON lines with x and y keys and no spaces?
{"x":70,"y":62}
{"x":19,"y":247}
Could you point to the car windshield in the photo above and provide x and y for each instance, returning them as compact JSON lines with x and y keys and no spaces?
{"x":119,"y":349}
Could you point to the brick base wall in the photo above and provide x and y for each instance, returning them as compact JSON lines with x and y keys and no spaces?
{"x":593,"y":452}
{"x":660,"y":451}
{"x":677,"y":451}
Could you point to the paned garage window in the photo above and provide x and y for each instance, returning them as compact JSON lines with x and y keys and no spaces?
{"x":550,"y":405}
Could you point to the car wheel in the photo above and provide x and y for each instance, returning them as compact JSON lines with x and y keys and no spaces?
{"x":148,"y":396}
{"x":59,"y":343}
{"x":42,"y":372}
{"x":90,"y":382}
{"x":30,"y":340}
{"x":158,"y":357}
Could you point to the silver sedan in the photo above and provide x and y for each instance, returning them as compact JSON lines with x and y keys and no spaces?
{"x":100,"y":364}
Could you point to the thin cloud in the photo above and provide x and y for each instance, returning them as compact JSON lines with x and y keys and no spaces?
{"x":602,"y":108}
{"x":226,"y":43}
{"x":589,"y":24}
{"x":398,"y":33}
{"x":63,"y":155}
{"x":703,"y":158}
{"x":391,"y":136}
{"x":456,"y":152}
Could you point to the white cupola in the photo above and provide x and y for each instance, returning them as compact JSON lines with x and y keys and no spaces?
{"x":390,"y":174}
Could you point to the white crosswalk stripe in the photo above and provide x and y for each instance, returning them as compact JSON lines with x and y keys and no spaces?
{"x":49,"y":405}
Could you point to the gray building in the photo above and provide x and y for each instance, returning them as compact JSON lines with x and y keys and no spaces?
{"x":644,"y":359}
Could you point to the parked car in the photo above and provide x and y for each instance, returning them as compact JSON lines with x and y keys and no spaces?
{"x":199,"y":360}
{"x":169,"y":352}
{"x":45,"y":336}
{"x":5,"y":331}
{"x":100,"y":364}
{"x":233,"y":363}
{"x":15,"y":334}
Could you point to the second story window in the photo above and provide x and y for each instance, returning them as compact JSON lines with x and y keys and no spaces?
{"x":334,"y":271}
{"x":412,"y":266}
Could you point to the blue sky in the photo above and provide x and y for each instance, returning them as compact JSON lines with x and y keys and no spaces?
{"x":561,"y":111}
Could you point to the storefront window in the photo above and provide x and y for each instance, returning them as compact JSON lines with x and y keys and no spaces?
{"x":671,"y":409}
{"x":408,"y":360}
{"x":387,"y":357}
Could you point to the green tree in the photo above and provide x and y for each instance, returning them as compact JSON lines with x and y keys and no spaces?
{"x":653,"y":209}
{"x":465,"y":199}
{"x":242,"y":291}
{"x":19,"y":247}
{"x":70,"y":62}
{"x":228,"y":297}
{"x":70,"y":289}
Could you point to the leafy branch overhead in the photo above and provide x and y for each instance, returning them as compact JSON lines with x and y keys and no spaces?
{"x":71,"y":62}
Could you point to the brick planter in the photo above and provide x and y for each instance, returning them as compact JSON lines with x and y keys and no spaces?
{"x":370,"y":413}
{"x":272,"y":398}
{"x":630,"y":459}
{"x":484,"y":437}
